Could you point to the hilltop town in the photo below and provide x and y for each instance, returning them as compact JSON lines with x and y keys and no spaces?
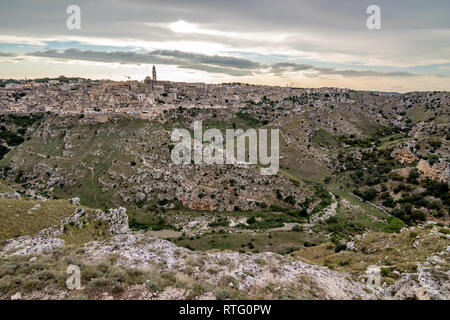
{"x":147,"y":98}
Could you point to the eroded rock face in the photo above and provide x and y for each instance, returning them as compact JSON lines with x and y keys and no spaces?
{"x":426,"y":284}
{"x":10,"y":195}
{"x":404,"y":155}
{"x":403,"y":172}
{"x":247,"y":272}
{"x":198,"y":204}
{"x":45,"y":241}
{"x":439,"y":171}
{"x":116,"y":219}
{"x":31,"y":245}
{"x":142,"y":251}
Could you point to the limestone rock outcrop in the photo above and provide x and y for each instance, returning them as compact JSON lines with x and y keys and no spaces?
{"x":404,"y":155}
{"x":439,"y":171}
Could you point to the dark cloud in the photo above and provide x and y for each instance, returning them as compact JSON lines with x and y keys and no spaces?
{"x":279,"y":68}
{"x":205,"y":59}
{"x":364,"y":73}
{"x":213,"y":64}
{"x":7,"y":54}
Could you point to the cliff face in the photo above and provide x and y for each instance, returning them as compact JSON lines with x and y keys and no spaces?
{"x":128,"y":163}
{"x":404,"y":155}
{"x":439,"y":171}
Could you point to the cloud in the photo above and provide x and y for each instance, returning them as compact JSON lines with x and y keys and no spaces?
{"x":223,"y":61}
{"x":364,"y":73}
{"x":20,"y":40}
{"x":7,"y":54}
{"x":282,"y":67}
{"x":212,"y":64}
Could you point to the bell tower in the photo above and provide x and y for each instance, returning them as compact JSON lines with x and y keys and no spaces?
{"x":154,"y":74}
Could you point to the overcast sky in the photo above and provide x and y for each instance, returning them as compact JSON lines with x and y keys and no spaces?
{"x":277,"y":42}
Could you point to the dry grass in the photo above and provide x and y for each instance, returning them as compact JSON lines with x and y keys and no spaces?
{"x":395,"y":251}
{"x":17,"y":218}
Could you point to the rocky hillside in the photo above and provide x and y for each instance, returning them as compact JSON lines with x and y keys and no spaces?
{"x":129,"y":265}
{"x":362,"y":193}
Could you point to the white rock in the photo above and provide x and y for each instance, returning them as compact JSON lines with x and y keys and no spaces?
{"x":434,"y":260}
{"x":10,"y":195}
{"x":75,"y":201}
{"x":17,"y":296}
{"x":32,"y":245}
{"x":351,"y":246}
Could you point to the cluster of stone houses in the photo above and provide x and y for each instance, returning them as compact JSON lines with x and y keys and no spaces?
{"x":145,"y":98}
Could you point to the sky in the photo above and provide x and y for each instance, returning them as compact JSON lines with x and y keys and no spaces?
{"x":320,"y":43}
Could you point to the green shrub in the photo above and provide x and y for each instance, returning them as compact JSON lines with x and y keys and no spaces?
{"x":369,"y":194}
{"x":396,"y":177}
{"x":340,"y":247}
{"x":413,"y":234}
{"x":279,"y":195}
{"x":290,"y":199}
{"x":395,"y":225}
{"x":389,"y":202}
{"x":154,"y":286}
{"x":294,"y":181}
{"x":418,"y":215}
{"x":223,"y":294}
{"x":3,"y":150}
{"x":412,"y":176}
{"x":385,"y":272}
{"x":220,"y":222}
{"x":251,"y":220}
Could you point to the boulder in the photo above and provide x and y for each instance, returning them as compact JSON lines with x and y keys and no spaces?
{"x":17,"y":296}
{"x":439,"y":171}
{"x":75,"y":201}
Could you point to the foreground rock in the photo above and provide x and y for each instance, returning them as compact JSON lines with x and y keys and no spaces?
{"x":46,"y":241}
{"x":251,"y":271}
{"x":28,"y":245}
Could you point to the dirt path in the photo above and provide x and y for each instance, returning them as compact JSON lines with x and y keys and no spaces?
{"x":326,"y":213}
{"x":164,"y":233}
{"x":287,"y":227}
{"x":45,"y":156}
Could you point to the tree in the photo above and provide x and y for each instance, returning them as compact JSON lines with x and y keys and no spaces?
{"x":412,"y":176}
{"x":369,"y":194}
{"x":389,"y":202}
{"x":418,"y":215}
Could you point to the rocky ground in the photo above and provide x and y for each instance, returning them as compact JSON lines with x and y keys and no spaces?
{"x":161,"y":270}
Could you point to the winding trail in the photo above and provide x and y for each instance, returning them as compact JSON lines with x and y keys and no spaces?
{"x":326,"y":213}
